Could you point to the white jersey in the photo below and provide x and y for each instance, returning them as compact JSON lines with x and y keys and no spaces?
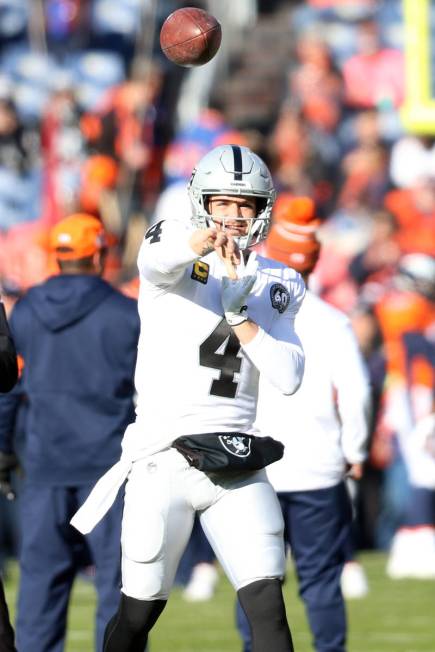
{"x":192,"y":374}
{"x":325,"y":424}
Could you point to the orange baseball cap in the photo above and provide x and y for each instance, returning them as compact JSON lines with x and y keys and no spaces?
{"x":297,"y":211}
{"x":77,"y":236}
{"x":292,"y":238}
{"x":296,"y":250}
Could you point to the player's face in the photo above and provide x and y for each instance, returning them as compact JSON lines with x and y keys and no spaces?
{"x":232,"y":214}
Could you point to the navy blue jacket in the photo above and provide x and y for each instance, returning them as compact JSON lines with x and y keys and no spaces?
{"x":78,"y":338}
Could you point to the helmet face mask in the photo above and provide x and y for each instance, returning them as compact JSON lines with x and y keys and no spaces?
{"x":233,"y":170}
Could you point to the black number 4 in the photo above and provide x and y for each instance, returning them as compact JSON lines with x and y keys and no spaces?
{"x":226,"y":361}
{"x":153,"y":234}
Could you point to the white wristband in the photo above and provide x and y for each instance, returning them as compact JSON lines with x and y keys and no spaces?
{"x":237,"y":318}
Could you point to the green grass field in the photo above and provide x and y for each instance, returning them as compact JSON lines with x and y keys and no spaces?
{"x":396,"y":616}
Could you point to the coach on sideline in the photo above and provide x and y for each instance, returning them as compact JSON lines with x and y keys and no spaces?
{"x":324,"y":427}
{"x":78,"y":338}
{"x":8,"y":379}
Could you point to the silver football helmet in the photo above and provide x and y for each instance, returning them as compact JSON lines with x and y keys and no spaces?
{"x":233,"y":170}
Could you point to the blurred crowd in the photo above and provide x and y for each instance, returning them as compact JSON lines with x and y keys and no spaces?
{"x":88,"y":123}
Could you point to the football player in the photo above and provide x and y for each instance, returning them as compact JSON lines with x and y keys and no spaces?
{"x":214,"y":316}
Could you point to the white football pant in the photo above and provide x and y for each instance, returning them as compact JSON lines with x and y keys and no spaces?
{"x":240,"y":515}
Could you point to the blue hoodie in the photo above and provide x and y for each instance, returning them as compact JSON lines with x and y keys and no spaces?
{"x":78,"y":338}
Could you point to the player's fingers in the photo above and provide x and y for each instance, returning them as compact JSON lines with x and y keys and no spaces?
{"x":232,"y":251}
{"x":220,"y":239}
{"x":237,"y":255}
{"x":231,"y":269}
{"x":208,"y":234}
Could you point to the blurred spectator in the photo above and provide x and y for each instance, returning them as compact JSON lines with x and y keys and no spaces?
{"x":315,"y":85}
{"x":78,"y":339}
{"x":412,"y":553}
{"x":374,"y":76}
{"x":377,"y":262}
{"x":414,"y":211}
{"x":348,"y":7}
{"x":405,"y":309}
{"x":412,"y":159}
{"x":62,"y":150}
{"x":209,"y":130}
{"x":300,"y":165}
{"x":19,"y":177}
{"x":24,"y":259}
{"x":18,"y":146}
{"x":124,"y":129}
{"x":368,"y":334}
{"x":314,"y":70}
{"x":66,"y":25}
{"x":365,"y":166}
{"x":99,"y":175}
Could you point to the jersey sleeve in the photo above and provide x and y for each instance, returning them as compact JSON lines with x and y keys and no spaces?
{"x":297,"y":293}
{"x":278,"y":354}
{"x":165,"y":252}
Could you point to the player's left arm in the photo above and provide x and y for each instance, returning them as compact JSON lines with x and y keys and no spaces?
{"x":352,"y":388}
{"x":277,"y":354}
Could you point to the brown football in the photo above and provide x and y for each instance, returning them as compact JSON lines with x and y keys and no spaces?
{"x":190,"y":36}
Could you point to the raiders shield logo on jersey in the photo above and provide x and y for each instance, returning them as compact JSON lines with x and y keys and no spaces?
{"x":280,"y":297}
{"x":237,"y":445}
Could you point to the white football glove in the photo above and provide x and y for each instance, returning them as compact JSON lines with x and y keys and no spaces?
{"x":235,"y":292}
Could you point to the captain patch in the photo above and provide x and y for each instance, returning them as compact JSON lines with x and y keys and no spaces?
{"x":280,"y":297}
{"x":200,"y":272}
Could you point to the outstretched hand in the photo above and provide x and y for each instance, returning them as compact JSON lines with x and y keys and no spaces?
{"x":203,"y":241}
{"x":229,"y":253}
{"x":235,"y":291}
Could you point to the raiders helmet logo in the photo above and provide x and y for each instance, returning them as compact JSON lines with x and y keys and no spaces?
{"x":280,"y":297}
{"x":237,"y":445}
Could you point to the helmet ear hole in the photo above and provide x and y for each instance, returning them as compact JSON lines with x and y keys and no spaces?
{"x":206,"y":200}
{"x":261,"y":204}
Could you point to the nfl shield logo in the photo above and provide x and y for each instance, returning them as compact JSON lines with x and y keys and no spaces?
{"x":237,"y":445}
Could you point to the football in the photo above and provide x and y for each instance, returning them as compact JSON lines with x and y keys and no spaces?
{"x":190,"y":36}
